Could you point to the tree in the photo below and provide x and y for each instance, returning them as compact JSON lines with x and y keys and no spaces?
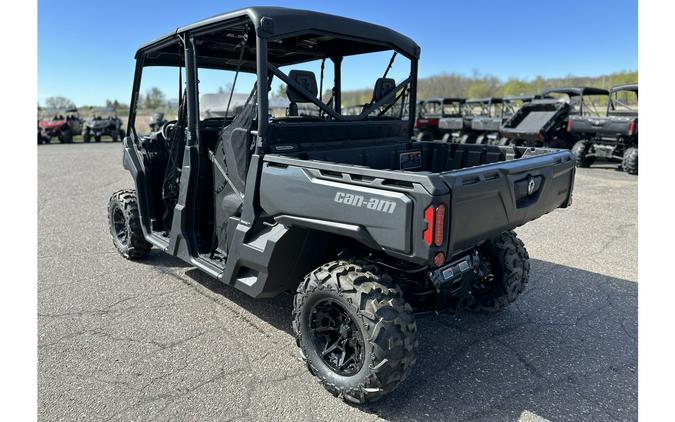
{"x":154,"y":98}
{"x":281,"y":91}
{"x":59,"y":102}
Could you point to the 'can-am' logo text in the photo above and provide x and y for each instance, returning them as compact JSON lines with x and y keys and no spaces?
{"x":374,"y":204}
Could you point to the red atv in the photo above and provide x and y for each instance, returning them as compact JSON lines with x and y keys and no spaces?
{"x":63,"y":126}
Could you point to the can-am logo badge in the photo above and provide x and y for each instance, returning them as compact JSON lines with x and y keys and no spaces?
{"x":530,"y":186}
{"x":374,"y":204}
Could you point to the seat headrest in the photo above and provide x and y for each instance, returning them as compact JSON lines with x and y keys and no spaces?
{"x":305,"y":79}
{"x":383,"y":87}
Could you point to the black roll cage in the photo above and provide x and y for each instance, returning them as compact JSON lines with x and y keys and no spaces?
{"x":264,"y":69}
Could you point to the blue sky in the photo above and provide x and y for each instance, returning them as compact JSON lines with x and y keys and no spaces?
{"x":85,"y":49}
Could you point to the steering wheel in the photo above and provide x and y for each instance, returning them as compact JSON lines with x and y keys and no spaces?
{"x":167,"y":129}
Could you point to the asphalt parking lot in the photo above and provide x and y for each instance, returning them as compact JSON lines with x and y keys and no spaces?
{"x":158,"y":340}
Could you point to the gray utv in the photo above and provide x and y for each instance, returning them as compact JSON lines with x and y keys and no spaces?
{"x":543,"y":121}
{"x":366,"y":225}
{"x":102,"y":122}
{"x":614,"y":136}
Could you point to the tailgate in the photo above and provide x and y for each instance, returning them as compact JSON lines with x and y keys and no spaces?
{"x":490,"y":199}
{"x":487,"y":124}
{"x":451,"y":123}
{"x":601,"y":126}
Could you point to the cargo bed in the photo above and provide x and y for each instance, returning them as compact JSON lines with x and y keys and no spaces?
{"x":535,"y":118}
{"x":490,"y":189}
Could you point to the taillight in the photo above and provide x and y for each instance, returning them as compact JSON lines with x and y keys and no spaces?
{"x":439,"y":225}
{"x":417,"y":123}
{"x":542,"y":136}
{"x":429,"y":231}
{"x":569,"y":125}
{"x":631,"y":128}
{"x":435,"y":230}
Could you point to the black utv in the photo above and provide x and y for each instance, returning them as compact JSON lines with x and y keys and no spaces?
{"x":613,"y":136}
{"x":432,"y":114}
{"x":157,"y":120}
{"x":543,"y":122}
{"x":364,"y":223}
{"x":102,"y":122}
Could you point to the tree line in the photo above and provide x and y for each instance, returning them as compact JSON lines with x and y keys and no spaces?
{"x":478,"y":86}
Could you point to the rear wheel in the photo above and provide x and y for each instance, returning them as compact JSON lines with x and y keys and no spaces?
{"x":507,"y":261}
{"x":125,"y":225}
{"x":580,"y":151}
{"x":356,"y":333}
{"x":86,"y":136}
{"x":557,"y":144}
{"x":115,"y":135}
{"x":630,"y":161}
{"x":97,"y":138}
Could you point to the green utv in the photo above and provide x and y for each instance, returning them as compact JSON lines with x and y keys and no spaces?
{"x":367,"y":225}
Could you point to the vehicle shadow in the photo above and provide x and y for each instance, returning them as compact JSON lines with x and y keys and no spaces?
{"x":567,"y":350}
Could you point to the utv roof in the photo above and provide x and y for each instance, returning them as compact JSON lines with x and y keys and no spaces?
{"x":625,"y":87}
{"x":520,"y":97}
{"x":280,"y":22}
{"x":446,"y":99}
{"x":575,"y":91}
{"x":493,"y":100}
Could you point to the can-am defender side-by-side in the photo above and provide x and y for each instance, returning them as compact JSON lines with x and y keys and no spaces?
{"x":432,"y":112}
{"x":61,"y":124}
{"x":462,"y":129}
{"x":157,"y":119}
{"x":612,"y":137}
{"x":513,"y":103}
{"x":102,"y":122}
{"x":488,"y":116}
{"x":365,"y":224}
{"x":543,"y":122}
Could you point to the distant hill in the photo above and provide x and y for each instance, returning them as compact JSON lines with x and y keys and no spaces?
{"x":456,"y":85}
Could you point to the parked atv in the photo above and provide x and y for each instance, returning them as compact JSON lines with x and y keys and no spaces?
{"x":156,"y":121}
{"x":41,"y":139}
{"x":432,"y":112}
{"x":612,"y":137}
{"x":364,"y":223}
{"x":543,"y":122}
{"x":63,"y":125}
{"x":102,"y":122}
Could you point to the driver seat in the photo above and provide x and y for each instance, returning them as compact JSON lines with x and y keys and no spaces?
{"x":305,"y":79}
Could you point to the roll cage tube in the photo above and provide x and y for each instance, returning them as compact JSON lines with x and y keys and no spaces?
{"x":138,"y":75}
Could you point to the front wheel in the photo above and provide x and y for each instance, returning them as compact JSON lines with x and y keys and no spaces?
{"x":356,"y":333}
{"x":125,"y":225}
{"x":506,"y":261}
{"x":630,"y":161}
{"x":66,"y":136}
{"x":86,"y":136}
{"x":580,"y":151}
